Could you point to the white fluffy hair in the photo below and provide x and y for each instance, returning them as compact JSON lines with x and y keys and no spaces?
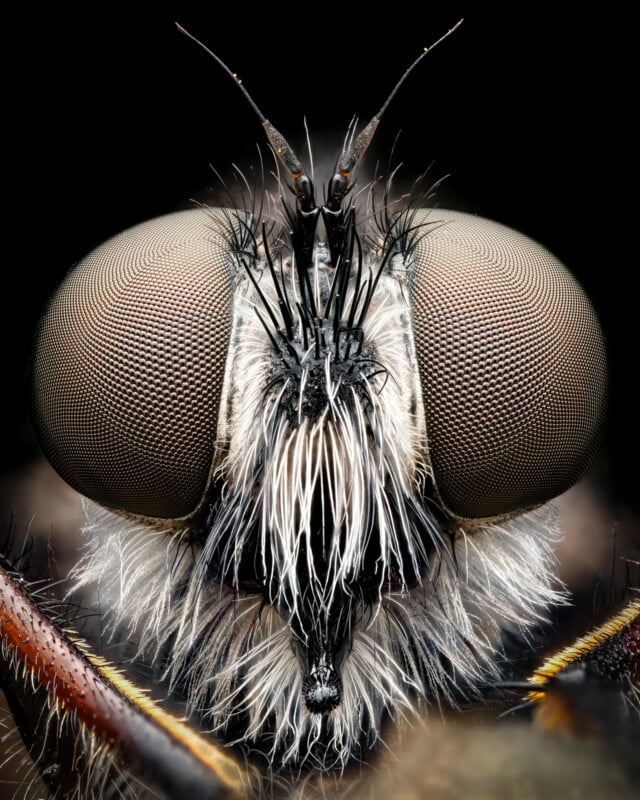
{"x":433,"y":634}
{"x":234,"y":653}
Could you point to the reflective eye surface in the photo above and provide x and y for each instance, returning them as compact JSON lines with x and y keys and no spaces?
{"x":131,"y":357}
{"x":130,"y":361}
{"x":378,"y":390}
{"x":512,"y":366}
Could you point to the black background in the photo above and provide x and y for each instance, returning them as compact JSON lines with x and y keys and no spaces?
{"x":114,"y":117}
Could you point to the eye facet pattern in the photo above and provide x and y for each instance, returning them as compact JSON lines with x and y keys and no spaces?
{"x":512,"y":366}
{"x":131,"y":357}
{"x":321,"y":586}
{"x":130,"y":361}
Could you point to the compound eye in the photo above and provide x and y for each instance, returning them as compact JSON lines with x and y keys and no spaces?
{"x":130,"y":361}
{"x":512,"y":366}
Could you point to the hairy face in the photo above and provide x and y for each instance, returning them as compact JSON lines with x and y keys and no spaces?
{"x":325,"y":485}
{"x":318,"y":442}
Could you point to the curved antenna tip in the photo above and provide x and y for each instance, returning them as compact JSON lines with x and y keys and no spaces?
{"x":444,"y":36}
{"x":362,"y":141}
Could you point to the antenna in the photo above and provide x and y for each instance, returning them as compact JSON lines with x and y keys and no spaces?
{"x":350,"y":157}
{"x":339,"y":184}
{"x":302,"y":184}
{"x":305,"y":221}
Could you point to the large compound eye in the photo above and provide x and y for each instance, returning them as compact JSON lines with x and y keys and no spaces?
{"x":130,"y":361}
{"x":512,"y":366}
